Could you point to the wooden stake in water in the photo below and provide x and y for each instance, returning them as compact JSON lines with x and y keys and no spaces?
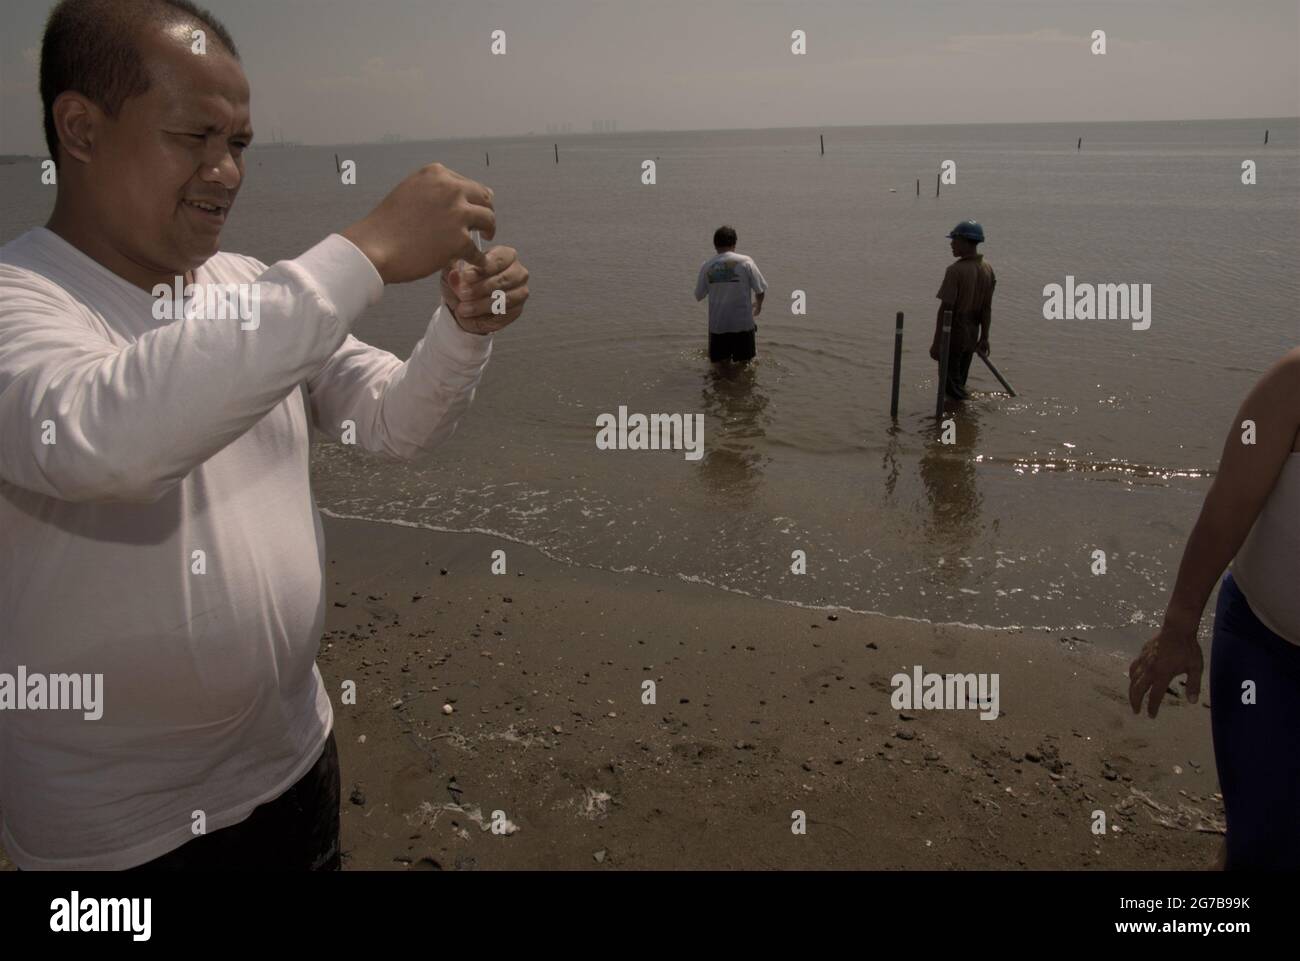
{"x":338,"y":168}
{"x":936,"y":183}
{"x":918,"y":186}
{"x":1079,"y":145}
{"x":487,"y":159}
{"x":1265,"y":138}
{"x":898,"y":362}
{"x":557,"y":153}
{"x":944,"y":343}
{"x":822,"y":138}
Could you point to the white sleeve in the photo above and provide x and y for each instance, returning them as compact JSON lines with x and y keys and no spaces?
{"x":701,"y":285}
{"x":129,"y":423}
{"x":401,"y":410}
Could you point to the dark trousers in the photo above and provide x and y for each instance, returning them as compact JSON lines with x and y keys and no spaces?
{"x":961,"y":351}
{"x":1254,"y":743}
{"x":298,"y":831}
{"x":737,"y":345}
{"x":959,"y":362}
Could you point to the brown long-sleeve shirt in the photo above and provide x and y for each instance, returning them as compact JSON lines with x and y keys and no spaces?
{"x":968,"y":286}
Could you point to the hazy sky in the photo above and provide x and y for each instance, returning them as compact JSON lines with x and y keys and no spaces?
{"x":337,"y":71}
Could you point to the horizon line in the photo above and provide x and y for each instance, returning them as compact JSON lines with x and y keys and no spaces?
{"x":674,"y":130}
{"x":838,"y":126}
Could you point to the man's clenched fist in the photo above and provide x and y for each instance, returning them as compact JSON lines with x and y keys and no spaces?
{"x":425,"y":223}
{"x":471,"y":294}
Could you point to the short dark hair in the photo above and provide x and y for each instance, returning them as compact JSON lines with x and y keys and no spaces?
{"x":90,"y":46}
{"x":724,"y":237}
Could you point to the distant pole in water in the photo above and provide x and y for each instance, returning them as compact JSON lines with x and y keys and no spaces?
{"x":338,"y":168}
{"x":1001,"y":380}
{"x":943,"y":363}
{"x":918,"y":186}
{"x":1079,"y":146}
{"x":822,"y":138}
{"x":898,"y":361}
{"x":487,"y":159}
{"x":936,"y":184}
{"x":557,"y":153}
{"x":1265,"y":138}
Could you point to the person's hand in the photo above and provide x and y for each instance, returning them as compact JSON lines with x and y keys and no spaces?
{"x":1173,"y":651}
{"x":934,"y":351}
{"x":983,"y":347}
{"x":424,"y":223}
{"x":758,"y":309}
{"x":468,"y":294}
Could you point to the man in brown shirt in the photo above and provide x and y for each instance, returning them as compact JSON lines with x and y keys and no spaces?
{"x":967,"y":291}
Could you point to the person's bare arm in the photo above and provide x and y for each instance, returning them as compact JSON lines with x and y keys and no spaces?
{"x":1247,"y":474}
{"x":758,"y":303}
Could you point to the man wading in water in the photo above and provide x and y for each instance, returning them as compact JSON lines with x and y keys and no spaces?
{"x":967,"y":291}
{"x":727,"y":278}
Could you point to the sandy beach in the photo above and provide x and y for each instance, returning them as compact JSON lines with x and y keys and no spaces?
{"x":762,"y":709}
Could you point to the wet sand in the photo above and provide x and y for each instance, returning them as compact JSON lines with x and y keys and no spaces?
{"x":762,"y":710}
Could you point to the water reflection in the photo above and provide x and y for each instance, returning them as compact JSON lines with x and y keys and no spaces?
{"x":948,"y":475}
{"x":735,"y":412}
{"x":889,"y":458}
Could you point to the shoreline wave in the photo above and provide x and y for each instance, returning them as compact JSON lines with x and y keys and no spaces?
{"x":696,"y":579}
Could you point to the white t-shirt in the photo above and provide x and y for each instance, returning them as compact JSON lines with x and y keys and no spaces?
{"x":171,"y":438}
{"x":727,"y":279}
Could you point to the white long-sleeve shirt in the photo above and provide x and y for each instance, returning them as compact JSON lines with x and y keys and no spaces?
{"x":170,"y":438}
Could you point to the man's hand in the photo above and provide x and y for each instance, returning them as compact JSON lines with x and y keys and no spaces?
{"x":425,"y":223}
{"x":758,"y":307}
{"x":934,"y":350}
{"x":983,"y":347}
{"x":470,"y":297}
{"x":1173,"y":651}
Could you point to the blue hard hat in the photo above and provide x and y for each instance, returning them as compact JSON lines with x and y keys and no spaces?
{"x":969,"y":229}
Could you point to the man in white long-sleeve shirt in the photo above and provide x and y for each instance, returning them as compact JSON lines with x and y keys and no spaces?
{"x":158,"y":523}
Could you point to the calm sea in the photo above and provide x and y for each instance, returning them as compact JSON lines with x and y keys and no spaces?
{"x":1110,"y":444}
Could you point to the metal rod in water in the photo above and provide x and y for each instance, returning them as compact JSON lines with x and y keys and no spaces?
{"x":1002,"y":380}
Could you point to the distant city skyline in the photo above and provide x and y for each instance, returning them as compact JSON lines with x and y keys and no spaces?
{"x":334,"y":72}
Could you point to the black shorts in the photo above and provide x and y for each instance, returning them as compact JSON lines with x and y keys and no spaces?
{"x":736,"y":345}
